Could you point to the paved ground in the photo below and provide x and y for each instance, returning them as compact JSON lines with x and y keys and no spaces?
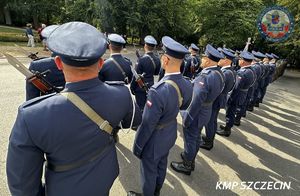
{"x":266,"y":147}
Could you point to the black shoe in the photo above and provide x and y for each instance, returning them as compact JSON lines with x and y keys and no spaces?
{"x":250,"y":108}
{"x":206,"y":143}
{"x":157,"y":190}
{"x":222,"y":127}
{"x":183,"y":158}
{"x":132,"y":193}
{"x":225,"y":131}
{"x":237,"y":122}
{"x":184,"y":167}
{"x":116,"y":137}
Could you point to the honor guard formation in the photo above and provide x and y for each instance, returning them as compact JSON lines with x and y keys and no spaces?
{"x":88,"y":100}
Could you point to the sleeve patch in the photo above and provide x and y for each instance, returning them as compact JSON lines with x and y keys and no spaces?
{"x":201,"y":83}
{"x":149,"y":103}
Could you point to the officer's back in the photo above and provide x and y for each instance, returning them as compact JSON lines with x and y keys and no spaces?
{"x":117,"y":67}
{"x":192,"y":63}
{"x":245,"y":79}
{"x":80,"y":152}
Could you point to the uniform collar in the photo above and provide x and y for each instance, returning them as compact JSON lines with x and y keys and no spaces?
{"x":226,"y":67}
{"x":115,"y":54}
{"x":169,"y":74}
{"x":211,"y":67}
{"x":149,"y":52}
{"x":81,"y":85}
{"x":175,"y":75}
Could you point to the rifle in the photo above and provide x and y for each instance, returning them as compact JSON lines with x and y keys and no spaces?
{"x":36,"y":78}
{"x":139,"y":79}
{"x":31,"y":55}
{"x":137,"y":53}
{"x":247,"y":44}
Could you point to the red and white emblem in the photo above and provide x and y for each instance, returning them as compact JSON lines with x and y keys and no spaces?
{"x":149,"y":103}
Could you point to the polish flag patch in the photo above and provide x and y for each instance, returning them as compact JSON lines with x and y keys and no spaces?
{"x":149,"y":103}
{"x":201,"y":83}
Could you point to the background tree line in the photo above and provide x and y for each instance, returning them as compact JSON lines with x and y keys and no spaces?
{"x":220,"y":22}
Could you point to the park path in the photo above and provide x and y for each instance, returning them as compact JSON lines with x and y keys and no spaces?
{"x":266,"y":147}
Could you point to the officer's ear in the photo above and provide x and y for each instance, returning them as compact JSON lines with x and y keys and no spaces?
{"x":58,"y":63}
{"x":100,"y":63}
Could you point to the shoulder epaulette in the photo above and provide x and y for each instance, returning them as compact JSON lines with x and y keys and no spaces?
{"x":205,"y":71}
{"x":115,"y":82}
{"x":158,"y":84}
{"x":37,"y":100}
{"x":127,"y":59}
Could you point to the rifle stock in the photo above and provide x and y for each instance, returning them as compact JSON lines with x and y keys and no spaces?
{"x":39,"y":81}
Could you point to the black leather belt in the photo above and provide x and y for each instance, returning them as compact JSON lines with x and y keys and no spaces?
{"x":74,"y":165}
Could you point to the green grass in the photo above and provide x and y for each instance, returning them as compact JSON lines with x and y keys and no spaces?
{"x":19,"y":43}
{"x":13,"y":34}
{"x":4,"y":29}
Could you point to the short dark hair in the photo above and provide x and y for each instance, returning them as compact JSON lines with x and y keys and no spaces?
{"x":116,"y":48}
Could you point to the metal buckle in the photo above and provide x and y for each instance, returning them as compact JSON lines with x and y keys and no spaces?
{"x":104,"y":124}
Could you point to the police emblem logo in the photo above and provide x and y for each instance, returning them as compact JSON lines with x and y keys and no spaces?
{"x":275,"y":23}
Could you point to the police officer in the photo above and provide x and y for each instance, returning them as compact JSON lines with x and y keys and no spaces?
{"x":269,"y":71}
{"x":81,"y":157}
{"x":273,"y":58}
{"x":207,"y":87}
{"x":54,"y":76}
{"x":158,"y":131}
{"x":117,"y":67}
{"x":221,"y":100}
{"x":245,"y":78}
{"x":242,"y":109}
{"x":259,"y":73}
{"x":261,"y":80}
{"x":148,"y":66}
{"x":192,"y":63}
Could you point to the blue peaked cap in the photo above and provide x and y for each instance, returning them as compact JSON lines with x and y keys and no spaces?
{"x":258,"y":55}
{"x":48,"y":30}
{"x":150,"y":40}
{"x":275,"y":56}
{"x":77,"y":43}
{"x":228,"y":54}
{"x":173,"y":48}
{"x":247,"y":56}
{"x":194,"y":47}
{"x":213,"y":53}
{"x":116,"y":40}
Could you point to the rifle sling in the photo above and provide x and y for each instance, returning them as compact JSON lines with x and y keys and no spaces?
{"x":88,"y":111}
{"x":120,"y":68}
{"x":172,"y":83}
{"x":152,"y":60}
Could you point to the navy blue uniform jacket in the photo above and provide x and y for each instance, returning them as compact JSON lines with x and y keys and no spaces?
{"x":53,"y":127}
{"x":111,"y":72}
{"x":161,"y":109}
{"x":148,"y":69}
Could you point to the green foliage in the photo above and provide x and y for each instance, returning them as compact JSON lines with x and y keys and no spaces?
{"x":220,"y":22}
{"x":226,"y":22}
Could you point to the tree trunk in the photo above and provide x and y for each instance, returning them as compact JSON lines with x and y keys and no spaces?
{"x":35,"y":20}
{"x":7,"y":16}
